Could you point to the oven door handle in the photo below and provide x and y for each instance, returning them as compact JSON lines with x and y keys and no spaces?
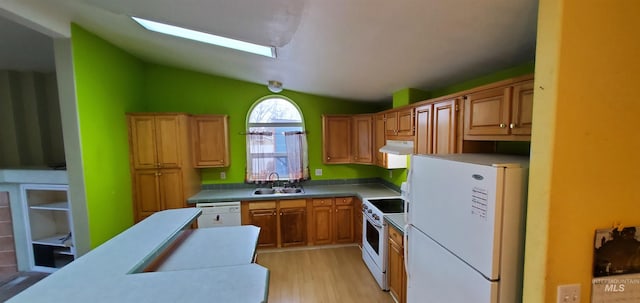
{"x":376,"y":225}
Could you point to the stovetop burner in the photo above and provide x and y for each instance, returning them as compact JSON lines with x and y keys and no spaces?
{"x":388,"y":205}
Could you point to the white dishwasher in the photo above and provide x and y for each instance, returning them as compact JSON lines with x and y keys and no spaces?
{"x":217,"y":214}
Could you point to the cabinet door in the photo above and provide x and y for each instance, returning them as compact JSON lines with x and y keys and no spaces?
{"x":405,"y":122}
{"x":362,"y":139}
{"x":357,"y":221}
{"x":210,"y":140}
{"x":336,"y":139}
{"x":322,"y":221}
{"x":147,"y":197}
{"x":444,"y":127}
{"x":142,"y":136}
{"x":424,"y":129}
{"x":391,"y":123}
{"x":168,"y":130}
{"x":522,"y":111}
{"x":379,"y":140}
{"x":293,"y":223}
{"x":171,"y":189}
{"x":344,"y":223}
{"x":396,"y":268}
{"x":487,"y":112}
{"x":267,"y":220}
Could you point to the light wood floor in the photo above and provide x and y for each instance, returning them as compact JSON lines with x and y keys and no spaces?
{"x":320,"y":275}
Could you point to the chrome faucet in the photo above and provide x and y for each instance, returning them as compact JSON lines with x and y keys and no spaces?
{"x":277,"y":177}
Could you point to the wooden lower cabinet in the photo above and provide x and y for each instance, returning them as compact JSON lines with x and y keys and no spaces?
{"x":357,"y":220}
{"x":282,"y":223}
{"x":300,"y":222}
{"x":322,"y":221}
{"x":263,"y":214}
{"x":293,"y":222}
{"x":267,"y":220}
{"x":332,"y":221}
{"x":156,"y":190}
{"x":397,"y":274}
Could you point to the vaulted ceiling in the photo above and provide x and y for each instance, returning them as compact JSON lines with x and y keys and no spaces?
{"x":355,"y":49}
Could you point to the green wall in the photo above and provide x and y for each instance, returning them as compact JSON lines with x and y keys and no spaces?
{"x":170,"y":89}
{"x":108,"y":84}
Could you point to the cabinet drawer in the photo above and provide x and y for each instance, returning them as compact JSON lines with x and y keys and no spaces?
{"x":344,"y":201}
{"x":322,"y":202}
{"x":395,"y":236}
{"x":262,"y":205}
{"x":293,"y":203}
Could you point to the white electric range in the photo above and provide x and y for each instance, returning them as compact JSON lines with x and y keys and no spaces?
{"x":375,"y":232}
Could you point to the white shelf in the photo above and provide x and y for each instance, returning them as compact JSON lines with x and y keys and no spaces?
{"x":51,"y":241}
{"x":64,"y":251}
{"x":52,"y":206}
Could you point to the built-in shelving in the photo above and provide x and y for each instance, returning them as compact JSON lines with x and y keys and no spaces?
{"x":63,"y":206}
{"x":48,"y":218}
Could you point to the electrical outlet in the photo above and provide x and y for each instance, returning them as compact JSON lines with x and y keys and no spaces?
{"x":569,"y":293}
{"x":223,"y":175}
{"x":318,"y":171}
{"x":390,"y":174}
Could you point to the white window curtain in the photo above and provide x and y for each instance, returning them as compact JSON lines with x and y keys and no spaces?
{"x":297,"y":155}
{"x":258,"y":161}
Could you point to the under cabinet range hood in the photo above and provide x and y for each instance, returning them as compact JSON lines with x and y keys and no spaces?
{"x":396,"y":147}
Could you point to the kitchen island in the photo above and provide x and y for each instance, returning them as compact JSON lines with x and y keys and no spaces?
{"x":115,"y":271}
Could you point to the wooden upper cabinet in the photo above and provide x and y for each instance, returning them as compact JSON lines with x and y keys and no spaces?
{"x":487,"y":112}
{"x":436,"y":127}
{"x":522,"y":111}
{"x":405,"y":122}
{"x":399,"y":122}
{"x":500,"y":113}
{"x":362,"y":139}
{"x":424,"y":129}
{"x":210,"y":140}
{"x":445,"y":126}
{"x":336,"y":139}
{"x":154,"y":140}
{"x":380,"y":159}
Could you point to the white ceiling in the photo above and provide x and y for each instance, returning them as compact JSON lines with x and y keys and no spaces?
{"x":354,"y":49}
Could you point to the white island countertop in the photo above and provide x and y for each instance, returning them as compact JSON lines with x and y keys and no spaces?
{"x":112,"y":271}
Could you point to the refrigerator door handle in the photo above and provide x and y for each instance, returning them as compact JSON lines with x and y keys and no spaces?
{"x":406,"y":251}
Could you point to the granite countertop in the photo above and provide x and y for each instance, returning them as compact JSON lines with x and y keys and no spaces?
{"x":363,"y":191}
{"x":396,"y":220}
{"x":112,"y":272}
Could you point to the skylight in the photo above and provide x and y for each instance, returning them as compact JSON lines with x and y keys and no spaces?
{"x":181,"y":32}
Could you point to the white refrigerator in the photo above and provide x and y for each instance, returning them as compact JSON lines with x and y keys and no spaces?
{"x":465,"y":233}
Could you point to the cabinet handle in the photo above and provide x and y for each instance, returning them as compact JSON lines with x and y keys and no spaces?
{"x":502,"y":125}
{"x":512,"y":125}
{"x":159,"y":174}
{"x":281,"y":214}
{"x":328,"y":158}
{"x":274,"y":213}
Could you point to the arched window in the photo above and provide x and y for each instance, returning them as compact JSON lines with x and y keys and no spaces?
{"x":276,"y":142}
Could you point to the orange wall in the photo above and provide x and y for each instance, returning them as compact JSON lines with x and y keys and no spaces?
{"x":585,"y":165}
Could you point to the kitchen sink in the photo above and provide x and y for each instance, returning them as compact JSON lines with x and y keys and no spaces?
{"x":278,"y":190}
